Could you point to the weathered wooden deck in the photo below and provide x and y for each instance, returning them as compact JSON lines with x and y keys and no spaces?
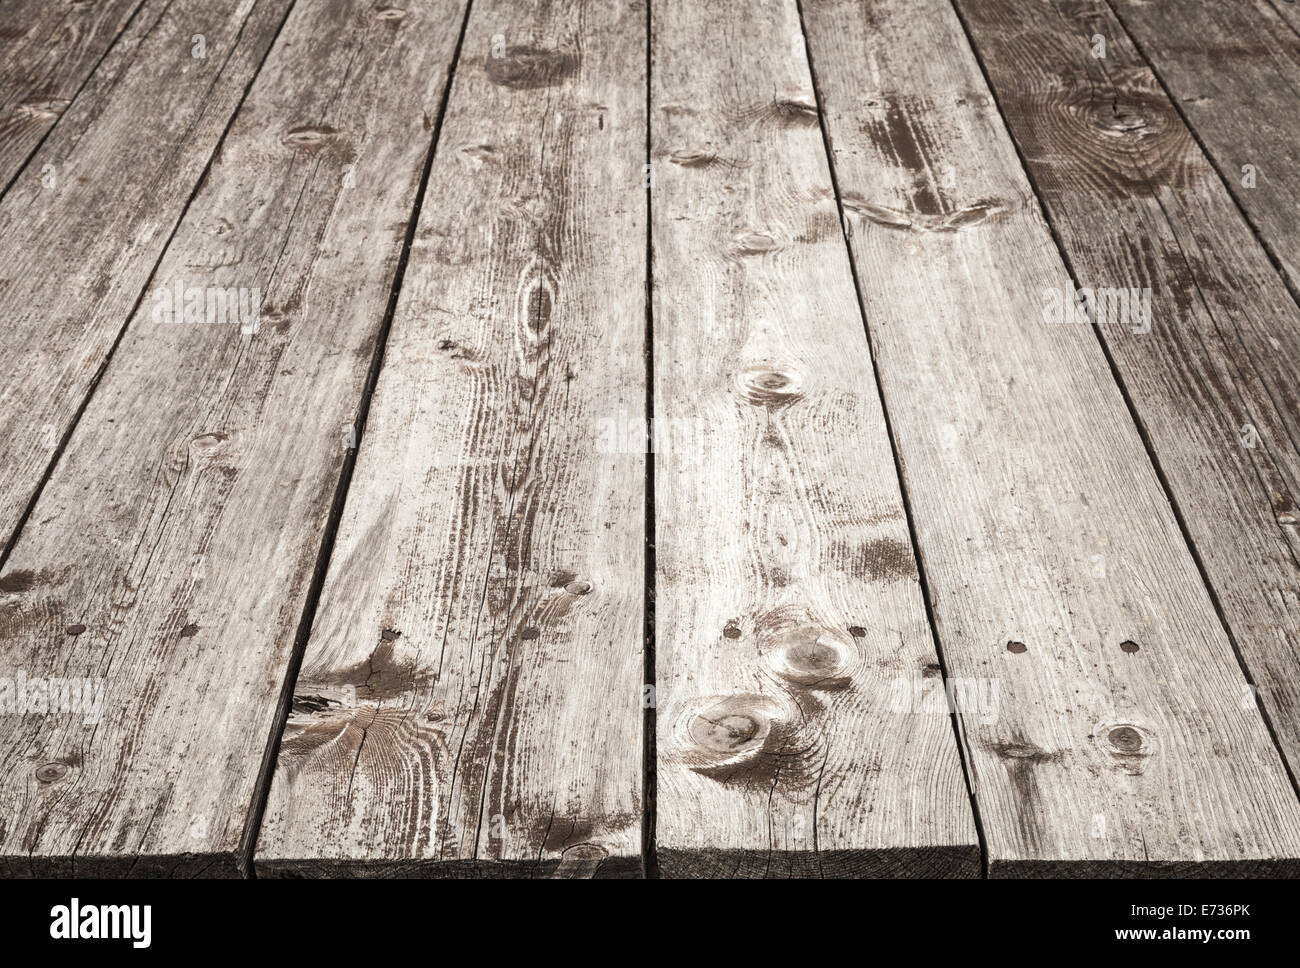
{"x":799,"y":438}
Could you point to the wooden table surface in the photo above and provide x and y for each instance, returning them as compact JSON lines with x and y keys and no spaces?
{"x":619,"y":438}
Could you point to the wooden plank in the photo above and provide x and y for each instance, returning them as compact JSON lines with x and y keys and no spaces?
{"x":171,"y":554}
{"x":79,"y":249}
{"x":1234,"y":71}
{"x":470,"y":702}
{"x":47,"y":51}
{"x":1137,"y":205}
{"x":798,"y":728}
{"x":1025,"y":472}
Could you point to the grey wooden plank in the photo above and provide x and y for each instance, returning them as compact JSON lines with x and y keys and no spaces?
{"x":77,"y":249}
{"x":171,"y":554}
{"x":802,"y":724}
{"x":1049,"y":547}
{"x":470,"y":701}
{"x":1234,"y":71}
{"x":1137,"y":205}
{"x":47,"y":51}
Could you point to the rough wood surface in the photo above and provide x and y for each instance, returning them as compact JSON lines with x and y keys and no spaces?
{"x":802,"y":726}
{"x":47,"y":51}
{"x":1289,"y":11}
{"x":79,"y":250}
{"x":1122,"y":742}
{"x":1234,"y":70}
{"x":470,"y":702}
{"x":171,"y":553}
{"x":1137,"y":205}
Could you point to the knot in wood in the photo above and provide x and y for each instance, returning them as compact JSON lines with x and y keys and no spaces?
{"x":1126,"y":739}
{"x":51,"y":772}
{"x":526,"y":67}
{"x":771,"y":385}
{"x":308,"y":136}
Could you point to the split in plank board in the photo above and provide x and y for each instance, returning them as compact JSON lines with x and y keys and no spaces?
{"x":1209,"y":364}
{"x":79,"y":249}
{"x":803,"y":728}
{"x":470,"y":701}
{"x":1023,"y":468}
{"x":1234,"y":71}
{"x":170,"y":556}
{"x":47,"y":51}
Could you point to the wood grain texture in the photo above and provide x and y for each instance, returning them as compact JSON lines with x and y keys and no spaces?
{"x":1234,"y":70}
{"x":1289,"y":11}
{"x":470,"y":702}
{"x":79,"y":252}
{"x":171,"y":553}
{"x":802,"y":727}
{"x":1024,"y":470}
{"x":1136,"y":205}
{"x":47,"y":51}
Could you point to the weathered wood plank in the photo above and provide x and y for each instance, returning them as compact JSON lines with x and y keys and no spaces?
{"x":77,"y":250}
{"x":1025,"y":471}
{"x":1138,"y":206}
{"x":172,"y":551}
{"x":47,"y":51}
{"x":470,"y":702}
{"x":1234,"y":69}
{"x":802,"y":726}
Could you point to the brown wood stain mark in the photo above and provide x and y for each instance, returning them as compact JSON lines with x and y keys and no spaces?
{"x":384,"y":675}
{"x":1024,"y":752}
{"x":900,"y":129}
{"x":18,"y":581}
{"x":1023,"y":761}
{"x":889,"y":559}
{"x":525,"y":67}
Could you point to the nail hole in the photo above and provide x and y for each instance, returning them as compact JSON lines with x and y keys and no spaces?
{"x":732,"y":631}
{"x":1129,"y":646}
{"x":857,"y":631}
{"x":1016,"y":647}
